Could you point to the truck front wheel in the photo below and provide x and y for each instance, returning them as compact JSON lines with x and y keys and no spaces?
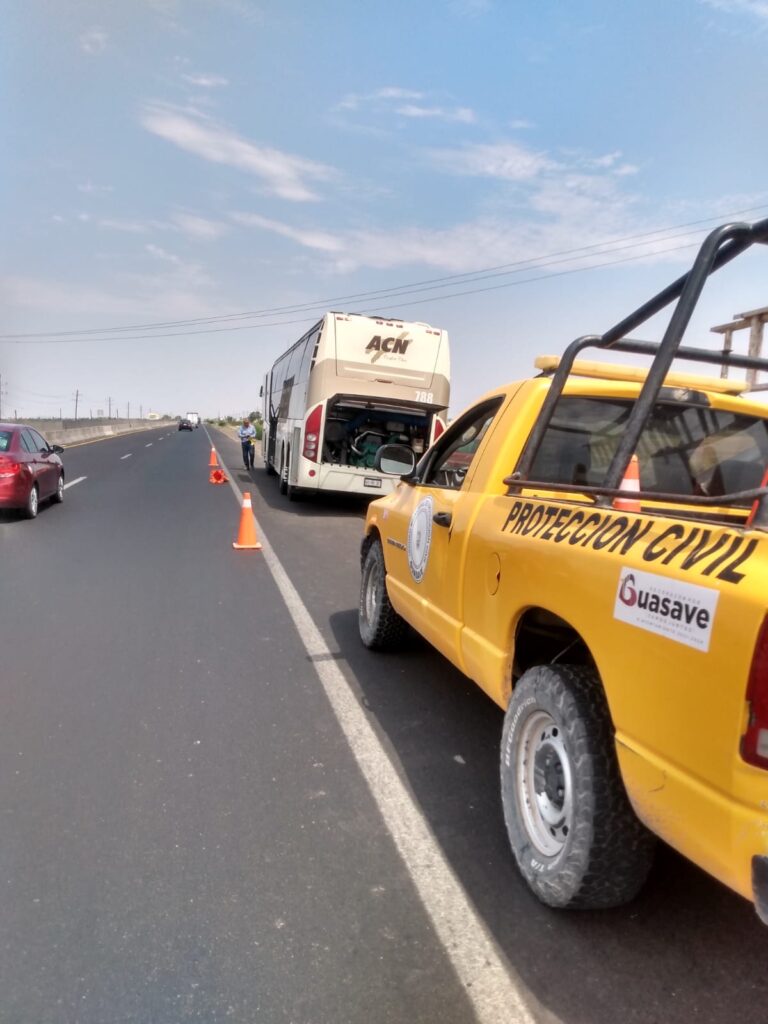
{"x":381,"y":628}
{"x":573,"y":832}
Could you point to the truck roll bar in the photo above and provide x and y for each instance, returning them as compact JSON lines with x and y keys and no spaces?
{"x":721,"y":246}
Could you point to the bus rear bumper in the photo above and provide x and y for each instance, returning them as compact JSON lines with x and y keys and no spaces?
{"x":355,"y":481}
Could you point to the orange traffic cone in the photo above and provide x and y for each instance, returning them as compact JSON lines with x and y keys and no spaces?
{"x":212,"y":461}
{"x":631,"y":483}
{"x":753,"y":513}
{"x":246,"y":536}
{"x":217,"y":476}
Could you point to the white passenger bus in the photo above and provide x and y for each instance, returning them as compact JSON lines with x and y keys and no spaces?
{"x":350,"y":385}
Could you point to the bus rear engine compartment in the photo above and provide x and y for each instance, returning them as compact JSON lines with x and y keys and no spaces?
{"x":353,"y":435}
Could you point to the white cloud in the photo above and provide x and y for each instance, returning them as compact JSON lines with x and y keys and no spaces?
{"x":130,"y":227}
{"x":89,"y":188}
{"x":206,"y":81}
{"x":608,"y":160}
{"x":758,"y":8}
{"x":199,"y":227}
{"x":281,"y":174}
{"x":354,"y":101}
{"x":155,"y":296}
{"x":520,"y":123}
{"x":392,"y":92}
{"x":506,"y":161}
{"x":94,"y":41}
{"x":461,"y":114}
{"x":160,"y":254}
{"x":319,"y":240}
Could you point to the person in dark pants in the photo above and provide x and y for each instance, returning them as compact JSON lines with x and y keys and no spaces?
{"x":247,"y":435}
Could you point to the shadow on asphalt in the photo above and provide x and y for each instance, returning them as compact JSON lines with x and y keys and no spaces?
{"x":687,"y":948}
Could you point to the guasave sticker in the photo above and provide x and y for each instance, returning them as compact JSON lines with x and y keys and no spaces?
{"x":683,"y":612}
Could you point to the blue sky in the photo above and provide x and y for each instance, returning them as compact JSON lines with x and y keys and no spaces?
{"x":184,"y":160}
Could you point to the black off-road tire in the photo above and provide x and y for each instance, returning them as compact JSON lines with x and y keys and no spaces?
{"x":576,"y":839}
{"x":284,"y":463}
{"x":381,"y":628}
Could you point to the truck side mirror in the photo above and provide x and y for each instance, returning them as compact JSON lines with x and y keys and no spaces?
{"x":395,"y":459}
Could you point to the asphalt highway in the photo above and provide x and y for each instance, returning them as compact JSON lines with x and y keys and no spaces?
{"x":187,"y":834}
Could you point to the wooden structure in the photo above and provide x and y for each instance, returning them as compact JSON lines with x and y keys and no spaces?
{"x":755,"y":320}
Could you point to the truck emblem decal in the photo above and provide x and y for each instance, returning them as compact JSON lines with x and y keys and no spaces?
{"x":683,"y":612}
{"x":419,"y":538}
{"x":711,"y":552}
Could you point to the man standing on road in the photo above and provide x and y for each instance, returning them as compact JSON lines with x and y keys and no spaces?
{"x":247,"y":435}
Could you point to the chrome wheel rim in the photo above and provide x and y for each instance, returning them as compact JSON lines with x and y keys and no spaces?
{"x":33,"y":501}
{"x":60,"y":488}
{"x":370,"y":592}
{"x":545,"y":784}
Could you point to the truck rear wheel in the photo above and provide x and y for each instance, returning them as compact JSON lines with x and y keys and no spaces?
{"x":573,"y":832}
{"x":381,"y":628}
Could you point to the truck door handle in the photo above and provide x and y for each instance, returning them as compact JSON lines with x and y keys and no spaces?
{"x":442,"y":518}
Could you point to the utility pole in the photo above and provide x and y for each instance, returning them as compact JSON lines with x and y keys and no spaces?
{"x":109,"y":400}
{"x":141,"y":412}
{"x":77,"y":397}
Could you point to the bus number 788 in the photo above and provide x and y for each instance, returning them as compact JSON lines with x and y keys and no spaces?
{"x":425,"y":397}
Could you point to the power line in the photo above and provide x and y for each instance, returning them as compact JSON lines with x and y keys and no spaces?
{"x":469,"y":277}
{"x":415,"y":302}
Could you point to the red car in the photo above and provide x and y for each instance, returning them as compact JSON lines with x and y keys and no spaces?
{"x":30,"y":469}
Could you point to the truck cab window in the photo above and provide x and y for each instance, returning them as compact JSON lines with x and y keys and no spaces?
{"x":458,"y":446}
{"x":684,"y":449}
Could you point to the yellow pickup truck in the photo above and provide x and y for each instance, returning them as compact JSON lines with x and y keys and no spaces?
{"x":591,"y":547}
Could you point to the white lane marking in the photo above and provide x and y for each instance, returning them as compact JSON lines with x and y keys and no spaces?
{"x":161,"y":439}
{"x":148,"y":445}
{"x":497,"y":994}
{"x":77,"y":480}
{"x":126,"y":456}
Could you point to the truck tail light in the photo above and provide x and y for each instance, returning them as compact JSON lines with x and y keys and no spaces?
{"x":754,"y":742}
{"x":312,"y":434}
{"x":439,"y":428}
{"x":9,"y":466}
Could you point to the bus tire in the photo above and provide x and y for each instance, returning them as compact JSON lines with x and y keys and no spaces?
{"x":381,"y":628}
{"x":284,"y":461}
{"x":575,"y":837}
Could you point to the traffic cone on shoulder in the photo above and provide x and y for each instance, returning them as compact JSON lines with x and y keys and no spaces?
{"x":213,"y":461}
{"x":631,"y":483}
{"x":246,"y":535}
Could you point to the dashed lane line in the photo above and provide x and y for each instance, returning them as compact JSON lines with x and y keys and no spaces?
{"x":148,"y":445}
{"x":77,"y":480}
{"x":126,"y":456}
{"x":497,"y":994}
